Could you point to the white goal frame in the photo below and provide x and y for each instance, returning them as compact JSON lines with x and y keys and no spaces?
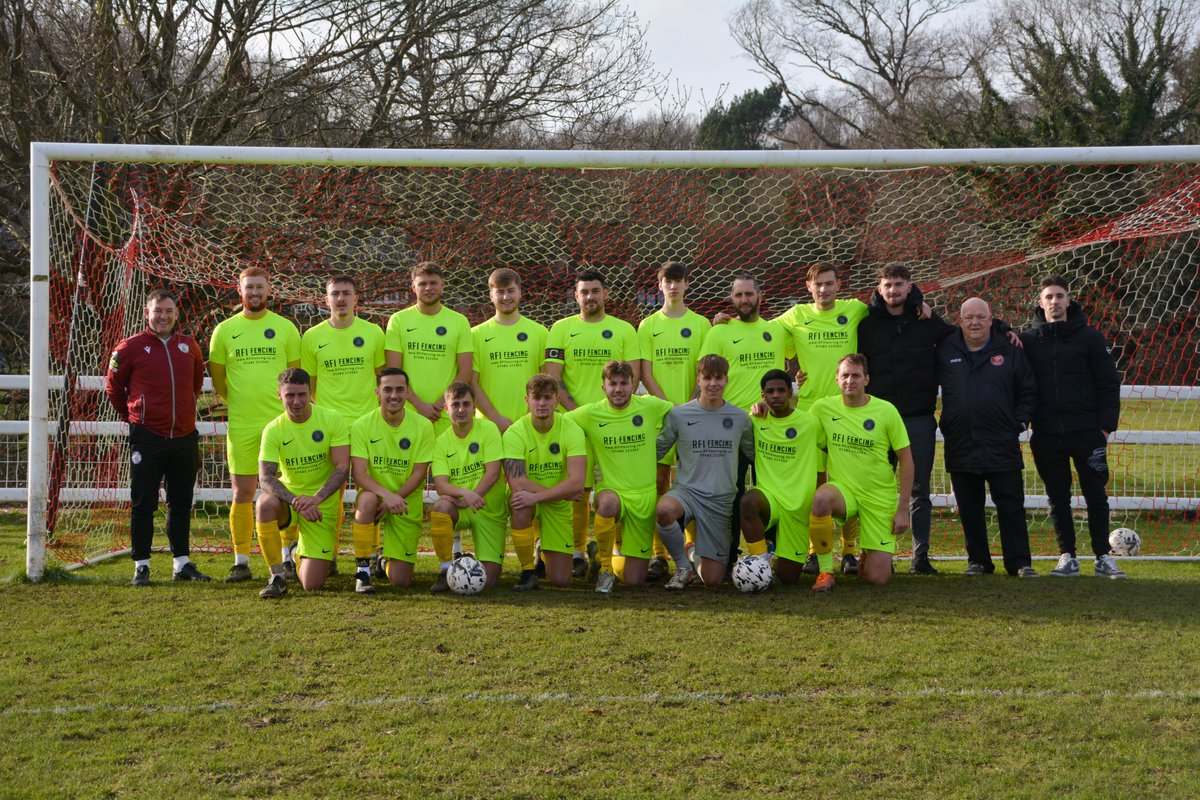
{"x":43,"y":153}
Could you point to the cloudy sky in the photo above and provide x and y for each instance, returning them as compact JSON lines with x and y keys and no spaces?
{"x":690,"y":39}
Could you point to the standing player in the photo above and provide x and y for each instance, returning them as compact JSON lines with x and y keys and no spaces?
{"x":752,"y":346}
{"x":466,"y":475}
{"x":788,"y":465}
{"x":544,"y":459}
{"x":577,"y":349}
{"x":243,"y":349}
{"x":860,"y":430}
{"x":622,"y":429}
{"x":1079,"y":405}
{"x":709,"y":433}
{"x":342,"y":355}
{"x":154,"y":380}
{"x":303,"y":465}
{"x":671,"y":339}
{"x":431,"y":343}
{"x":509,"y":350}
{"x":390,"y":453}
{"x":901,"y":350}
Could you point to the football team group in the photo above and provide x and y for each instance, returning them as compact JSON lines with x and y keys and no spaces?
{"x":747,"y":433}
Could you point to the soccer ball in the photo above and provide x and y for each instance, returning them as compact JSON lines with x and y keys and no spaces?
{"x":752,"y":575}
{"x":1125,"y":542}
{"x":466,"y":576}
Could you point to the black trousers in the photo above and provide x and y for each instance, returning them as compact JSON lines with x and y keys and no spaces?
{"x":155,"y":460}
{"x":1053,"y":455}
{"x":1008,"y":494}
{"x":922,"y":441}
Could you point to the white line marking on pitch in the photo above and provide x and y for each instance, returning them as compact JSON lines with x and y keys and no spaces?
{"x":647,"y":698}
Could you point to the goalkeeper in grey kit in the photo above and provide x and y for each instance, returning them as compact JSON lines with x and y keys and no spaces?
{"x":708,"y":433}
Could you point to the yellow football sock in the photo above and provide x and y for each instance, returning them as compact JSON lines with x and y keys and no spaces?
{"x":270,"y":543}
{"x":441,"y":530}
{"x":660,"y":549}
{"x":378,"y":536}
{"x":820,"y":531}
{"x":756,"y":548}
{"x":606,"y":537}
{"x":850,"y":537}
{"x":689,"y":533}
{"x":364,"y":539}
{"x":523,"y":543}
{"x":290,"y":535}
{"x":580,"y":509}
{"x":241,"y":527}
{"x":618,"y":566}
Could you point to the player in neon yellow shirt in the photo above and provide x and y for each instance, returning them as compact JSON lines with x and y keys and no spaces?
{"x":390,"y":452}
{"x":788,"y":465}
{"x":466,"y":475}
{"x":303,"y":465}
{"x":577,"y":348}
{"x":343,"y":354}
{"x":245,"y":348}
{"x":623,"y":430}
{"x":860,"y":430}
{"x":671,"y":339}
{"x":431,"y":343}
{"x":545,"y":456}
{"x":509,"y":350}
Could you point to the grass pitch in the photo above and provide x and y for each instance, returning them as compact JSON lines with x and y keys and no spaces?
{"x":931,"y":687}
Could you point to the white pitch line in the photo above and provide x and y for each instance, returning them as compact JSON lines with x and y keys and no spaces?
{"x":673,"y":698}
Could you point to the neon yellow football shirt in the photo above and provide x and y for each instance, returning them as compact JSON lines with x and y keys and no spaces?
{"x":820,"y":339}
{"x":583,"y":348}
{"x":624,"y":441}
{"x":392,"y":453}
{"x":344,"y":362}
{"x":254,"y":352}
{"x":752,"y":349}
{"x":430,"y":345}
{"x":672,"y":346}
{"x":545,"y":454}
{"x":858,"y":442}
{"x":788,"y":454}
{"x":463,"y":461}
{"x":506,"y":357}
{"x":301,"y":449}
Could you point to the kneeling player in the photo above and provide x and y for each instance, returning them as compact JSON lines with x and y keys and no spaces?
{"x":302,"y":466}
{"x":860,"y":430}
{"x":787,"y":461}
{"x":466,"y":475}
{"x":390,"y":452}
{"x":707,"y":433}
{"x":544,"y":458}
{"x":623,"y":429}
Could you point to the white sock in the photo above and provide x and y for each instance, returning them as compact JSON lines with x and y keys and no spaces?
{"x":241,"y":558}
{"x":446,"y":564}
{"x":141,"y":562}
{"x":580,"y":554}
{"x":457,"y":542}
{"x":180,"y":562}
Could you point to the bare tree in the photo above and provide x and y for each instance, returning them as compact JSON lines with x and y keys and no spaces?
{"x":866,"y":66}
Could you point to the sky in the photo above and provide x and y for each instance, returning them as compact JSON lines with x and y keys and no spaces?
{"x":690,"y":39}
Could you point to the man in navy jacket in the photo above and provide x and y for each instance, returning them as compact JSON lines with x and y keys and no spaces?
{"x":154,"y":379}
{"x":988,"y":398}
{"x":1079,"y":405}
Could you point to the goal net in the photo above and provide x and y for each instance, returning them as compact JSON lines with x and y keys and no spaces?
{"x":123,"y":220}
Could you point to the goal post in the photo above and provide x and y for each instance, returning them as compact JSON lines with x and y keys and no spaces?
{"x":1121,"y":222}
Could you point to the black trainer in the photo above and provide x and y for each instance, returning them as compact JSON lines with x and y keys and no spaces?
{"x":540,"y":567}
{"x":849,"y":565}
{"x":379,"y":567}
{"x":141,"y":577}
{"x":289,"y":571}
{"x":578,"y":566}
{"x":238,"y":573}
{"x":190,"y":573}
{"x":921,"y":566}
{"x":657,"y":569}
{"x":811,"y":567}
{"x":441,"y":584}
{"x":362,"y":582}
{"x":275,"y":589}
{"x":528,"y":581}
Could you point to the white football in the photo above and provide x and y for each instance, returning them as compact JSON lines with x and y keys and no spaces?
{"x":466,"y":576}
{"x":752,"y":574}
{"x":1125,"y":542}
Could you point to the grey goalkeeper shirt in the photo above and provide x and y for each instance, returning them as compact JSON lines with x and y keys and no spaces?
{"x":707,"y":442}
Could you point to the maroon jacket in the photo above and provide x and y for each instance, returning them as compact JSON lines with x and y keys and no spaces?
{"x":155,"y":384}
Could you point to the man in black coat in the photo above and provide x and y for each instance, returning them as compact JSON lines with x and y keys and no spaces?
{"x":900,"y":348}
{"x":1079,"y":405}
{"x":988,"y":398}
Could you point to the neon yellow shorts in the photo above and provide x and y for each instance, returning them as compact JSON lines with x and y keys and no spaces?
{"x":791,"y":527}
{"x":670,"y":459}
{"x":320,"y":539}
{"x":488,"y":532}
{"x":241,"y":450}
{"x":874,"y":521}
{"x":637,"y":523}
{"x":554,"y":524}
{"x":400,"y":535}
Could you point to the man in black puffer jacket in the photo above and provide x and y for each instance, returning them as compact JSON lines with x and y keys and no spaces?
{"x":988,"y":398}
{"x":1079,"y":405}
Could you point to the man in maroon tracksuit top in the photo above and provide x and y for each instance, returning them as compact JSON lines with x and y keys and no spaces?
{"x":154,"y":379}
